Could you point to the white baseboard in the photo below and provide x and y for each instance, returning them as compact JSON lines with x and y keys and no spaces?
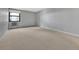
{"x":77,"y":35}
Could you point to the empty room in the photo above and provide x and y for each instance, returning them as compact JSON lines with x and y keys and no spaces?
{"x":39,"y":28}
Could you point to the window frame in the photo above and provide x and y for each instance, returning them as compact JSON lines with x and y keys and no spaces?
{"x":14,"y":16}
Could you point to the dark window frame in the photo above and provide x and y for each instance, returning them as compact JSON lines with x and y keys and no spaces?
{"x":14,"y":16}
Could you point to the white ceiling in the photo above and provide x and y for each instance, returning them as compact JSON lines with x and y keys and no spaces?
{"x":31,"y":9}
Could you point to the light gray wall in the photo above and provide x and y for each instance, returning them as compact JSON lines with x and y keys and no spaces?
{"x":3,"y":20}
{"x":61,"y":19}
{"x":38,"y":19}
{"x":27,"y":19}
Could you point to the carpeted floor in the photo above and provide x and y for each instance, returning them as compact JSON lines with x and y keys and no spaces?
{"x":35,"y":38}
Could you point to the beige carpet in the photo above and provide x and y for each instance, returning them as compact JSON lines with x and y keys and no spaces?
{"x":35,"y":38}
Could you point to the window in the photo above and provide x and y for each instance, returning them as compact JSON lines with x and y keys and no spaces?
{"x":14,"y":17}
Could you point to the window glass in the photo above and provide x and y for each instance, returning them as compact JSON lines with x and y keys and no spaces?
{"x":15,"y":14}
{"x":14,"y":17}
